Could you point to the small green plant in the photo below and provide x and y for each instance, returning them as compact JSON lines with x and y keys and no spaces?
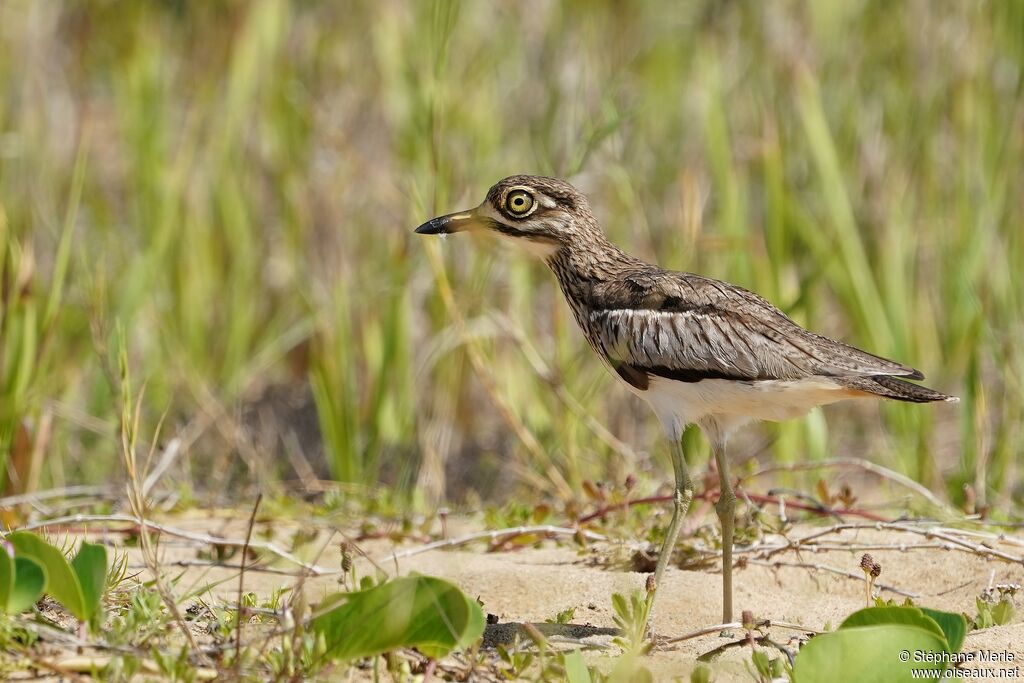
{"x":516,"y":657}
{"x":563,"y":617}
{"x":995,"y":606}
{"x":767,"y":669}
{"x":301,"y":653}
{"x":33,"y":567}
{"x":140,"y":616}
{"x":631,"y":616}
{"x":515,"y":514}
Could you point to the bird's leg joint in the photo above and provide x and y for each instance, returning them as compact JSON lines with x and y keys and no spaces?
{"x":726,"y":504}
{"x":683,"y":497}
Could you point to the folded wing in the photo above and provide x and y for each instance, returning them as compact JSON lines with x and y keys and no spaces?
{"x":691,"y":328}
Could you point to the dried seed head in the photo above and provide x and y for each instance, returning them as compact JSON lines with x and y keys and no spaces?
{"x":346,"y":556}
{"x":1007,"y":589}
{"x":876,"y":569}
{"x":748,"y":619}
{"x":651,"y":583}
{"x":867,"y":562}
{"x":630,"y":481}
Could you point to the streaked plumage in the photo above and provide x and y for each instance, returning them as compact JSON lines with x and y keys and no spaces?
{"x":698,"y":350}
{"x":651,"y":324}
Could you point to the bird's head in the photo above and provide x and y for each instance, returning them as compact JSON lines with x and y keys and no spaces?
{"x":542,"y":214}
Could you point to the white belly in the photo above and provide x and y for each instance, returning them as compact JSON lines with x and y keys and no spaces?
{"x":730,"y":403}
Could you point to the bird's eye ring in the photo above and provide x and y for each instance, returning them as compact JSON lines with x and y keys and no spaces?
{"x":519,"y":203}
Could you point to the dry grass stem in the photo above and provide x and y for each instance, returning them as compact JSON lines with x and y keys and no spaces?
{"x":197,"y":537}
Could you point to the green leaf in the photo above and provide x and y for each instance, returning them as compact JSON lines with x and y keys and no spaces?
{"x":6,"y":576}
{"x":761,"y":662}
{"x":620,"y":606}
{"x":701,"y":674}
{"x":1002,"y":613}
{"x":90,"y":566}
{"x":776,"y":668}
{"x":877,"y":616}
{"x":61,"y":581}
{"x":953,"y":626}
{"x":576,"y":670}
{"x":21,"y":583}
{"x":868,"y":654}
{"x":29,"y":580}
{"x":429,"y":614}
{"x":984,"y":619}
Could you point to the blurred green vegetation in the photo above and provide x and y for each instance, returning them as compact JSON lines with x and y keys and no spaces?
{"x":236,"y":183}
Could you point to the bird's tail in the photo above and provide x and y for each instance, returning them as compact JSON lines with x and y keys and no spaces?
{"x":887,"y":386}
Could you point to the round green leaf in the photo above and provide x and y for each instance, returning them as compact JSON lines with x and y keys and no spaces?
{"x":869,"y":654}
{"x":90,"y":566}
{"x":429,"y":614}
{"x":875,"y":616}
{"x":29,"y":579}
{"x":954,"y":626}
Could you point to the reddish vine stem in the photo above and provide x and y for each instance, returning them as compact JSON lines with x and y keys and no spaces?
{"x":755,"y":497}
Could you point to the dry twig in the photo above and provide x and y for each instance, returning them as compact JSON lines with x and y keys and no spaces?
{"x":832,"y":570}
{"x":718,"y":628}
{"x":241,"y":587}
{"x":867,"y":466}
{"x":197,"y":537}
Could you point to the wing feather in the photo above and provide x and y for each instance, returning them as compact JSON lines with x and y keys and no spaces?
{"x":691,"y":328}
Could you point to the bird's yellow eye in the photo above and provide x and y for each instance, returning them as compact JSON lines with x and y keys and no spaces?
{"x":519,"y":202}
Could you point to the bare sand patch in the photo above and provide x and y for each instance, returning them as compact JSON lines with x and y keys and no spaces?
{"x":533,"y":584}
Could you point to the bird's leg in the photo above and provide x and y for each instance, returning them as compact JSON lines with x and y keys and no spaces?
{"x":681,"y":502}
{"x":726,"y":509}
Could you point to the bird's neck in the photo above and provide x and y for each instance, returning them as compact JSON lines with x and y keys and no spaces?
{"x":581,"y":264}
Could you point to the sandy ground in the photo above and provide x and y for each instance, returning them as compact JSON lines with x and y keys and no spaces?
{"x":534,"y":584}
